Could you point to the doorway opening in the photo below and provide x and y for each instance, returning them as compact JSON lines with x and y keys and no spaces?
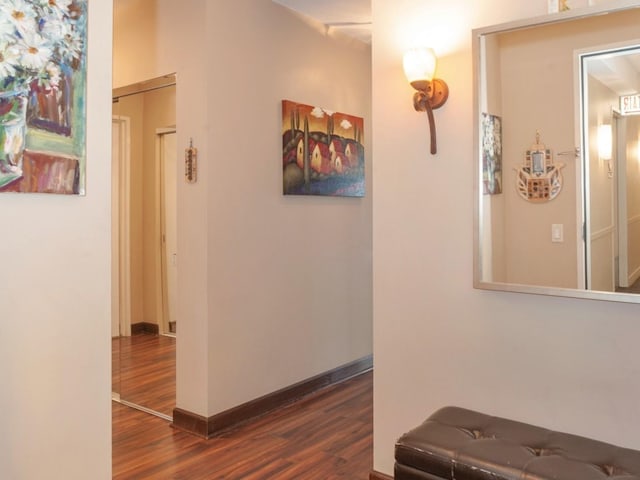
{"x":144,"y":239}
{"x":610,"y":139}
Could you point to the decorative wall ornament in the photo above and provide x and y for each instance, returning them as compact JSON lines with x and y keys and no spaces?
{"x":322,"y":151}
{"x":539,"y":180}
{"x":491,"y":154}
{"x":555,"y":6}
{"x":42,"y":96}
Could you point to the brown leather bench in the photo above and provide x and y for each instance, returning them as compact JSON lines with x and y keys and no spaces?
{"x":460,"y":444}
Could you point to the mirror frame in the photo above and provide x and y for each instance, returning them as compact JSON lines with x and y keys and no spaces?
{"x":477,"y":35}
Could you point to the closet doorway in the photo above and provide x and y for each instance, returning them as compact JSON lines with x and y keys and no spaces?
{"x":145,"y":173}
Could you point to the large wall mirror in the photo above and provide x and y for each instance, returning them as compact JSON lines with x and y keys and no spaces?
{"x":145,"y":168}
{"x":558,"y":154}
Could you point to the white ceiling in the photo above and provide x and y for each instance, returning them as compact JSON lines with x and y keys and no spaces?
{"x":350,"y":17}
{"x":620,"y":72}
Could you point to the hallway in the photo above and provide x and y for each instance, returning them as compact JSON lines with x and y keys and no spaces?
{"x":328,"y":435}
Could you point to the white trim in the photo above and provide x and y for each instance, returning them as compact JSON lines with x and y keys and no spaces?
{"x":620,"y":172}
{"x":605,"y":232}
{"x":162,"y":307}
{"x":122,"y":217}
{"x":141,"y":408}
{"x":634,"y":275}
{"x":582,"y":170}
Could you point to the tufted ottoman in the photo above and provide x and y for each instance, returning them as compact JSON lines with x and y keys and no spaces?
{"x":460,"y":444}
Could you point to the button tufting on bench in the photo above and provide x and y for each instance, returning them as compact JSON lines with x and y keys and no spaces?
{"x":460,"y":444}
{"x":612,"y":470}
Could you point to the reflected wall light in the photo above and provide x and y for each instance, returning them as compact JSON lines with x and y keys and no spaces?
{"x":605,"y":141}
{"x":420,"y":67}
{"x":605,"y":146}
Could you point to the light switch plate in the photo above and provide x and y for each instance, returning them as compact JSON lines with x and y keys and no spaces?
{"x":557,"y":232}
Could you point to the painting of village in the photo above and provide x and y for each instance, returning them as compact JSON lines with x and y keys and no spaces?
{"x":322,"y":151}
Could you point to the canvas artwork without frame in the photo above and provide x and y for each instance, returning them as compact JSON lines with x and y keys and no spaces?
{"x":322,"y":151}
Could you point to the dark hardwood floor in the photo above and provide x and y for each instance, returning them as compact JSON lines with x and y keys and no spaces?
{"x":325,"y":436}
{"x":144,"y":371}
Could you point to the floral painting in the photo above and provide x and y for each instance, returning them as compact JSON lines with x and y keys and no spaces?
{"x":491,"y":154}
{"x":42,"y":96}
{"x":322,"y":151}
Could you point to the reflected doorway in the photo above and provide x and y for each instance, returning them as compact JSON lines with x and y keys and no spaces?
{"x":167,"y":160}
{"x":611,"y":136}
{"x":145,"y":173}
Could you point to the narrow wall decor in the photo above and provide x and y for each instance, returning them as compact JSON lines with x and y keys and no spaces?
{"x":491,"y":154}
{"x":42,"y":96}
{"x":322,"y":151}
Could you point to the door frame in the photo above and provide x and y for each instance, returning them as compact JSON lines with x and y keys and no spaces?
{"x":620,"y":171}
{"x":121,"y":225}
{"x":583,"y":203}
{"x":160,"y":257}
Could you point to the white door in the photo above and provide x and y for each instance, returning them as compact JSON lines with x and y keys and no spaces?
{"x":169,"y":169}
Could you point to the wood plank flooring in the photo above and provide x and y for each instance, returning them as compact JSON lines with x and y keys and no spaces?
{"x":326,"y":436}
{"x":144,"y":371}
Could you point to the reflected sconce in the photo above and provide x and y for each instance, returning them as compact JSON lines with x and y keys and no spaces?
{"x":431,"y":93}
{"x":605,"y":146}
{"x":604,"y":142}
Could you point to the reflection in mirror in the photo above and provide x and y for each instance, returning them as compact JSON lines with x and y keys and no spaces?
{"x":612,"y":228}
{"x":567,"y":215}
{"x":145,"y":179}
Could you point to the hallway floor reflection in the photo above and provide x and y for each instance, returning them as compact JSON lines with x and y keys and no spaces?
{"x":145,"y":367}
{"x":635,"y":288}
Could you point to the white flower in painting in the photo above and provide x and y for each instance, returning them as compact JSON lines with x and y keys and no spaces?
{"x":70,"y":44}
{"x":21,"y":13}
{"x":346,"y":124}
{"x":35,"y":52}
{"x":9,"y":60}
{"x":35,"y":34}
{"x":7,"y":28}
{"x":57,"y":8}
{"x":52,"y":26}
{"x":317,"y":112}
{"x":62,"y":5}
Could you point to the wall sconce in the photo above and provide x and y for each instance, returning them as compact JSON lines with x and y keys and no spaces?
{"x":420,"y":67}
{"x":605,"y":146}
{"x":604,"y":142}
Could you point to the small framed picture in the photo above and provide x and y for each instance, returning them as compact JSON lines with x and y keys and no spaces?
{"x":491,"y":154}
{"x":537,"y":163}
{"x":555,"y":6}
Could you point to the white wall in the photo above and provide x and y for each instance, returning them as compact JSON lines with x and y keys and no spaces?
{"x":562,"y":363}
{"x":290,"y":277}
{"x":55,"y":308}
{"x":272,"y":289}
{"x":531,"y":257}
{"x":169,"y":39}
